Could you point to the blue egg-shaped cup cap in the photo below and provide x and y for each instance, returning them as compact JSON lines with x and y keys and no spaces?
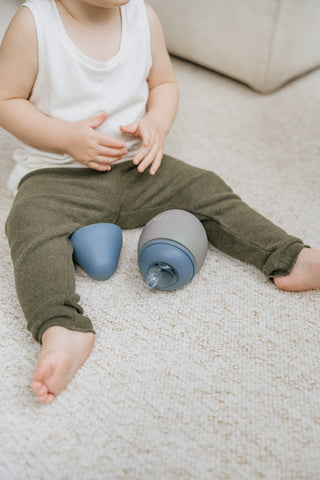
{"x":172,"y":254}
{"x":96,"y":248}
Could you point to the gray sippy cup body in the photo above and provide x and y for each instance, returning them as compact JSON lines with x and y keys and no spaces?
{"x":171,"y":250}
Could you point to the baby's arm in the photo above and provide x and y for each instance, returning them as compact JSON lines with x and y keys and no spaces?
{"x":18,"y":72}
{"x":162,"y":104}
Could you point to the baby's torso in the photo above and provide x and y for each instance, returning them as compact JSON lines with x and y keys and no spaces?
{"x":75,"y":83}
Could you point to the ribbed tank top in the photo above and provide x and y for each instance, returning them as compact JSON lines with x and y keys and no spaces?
{"x":72,"y":86}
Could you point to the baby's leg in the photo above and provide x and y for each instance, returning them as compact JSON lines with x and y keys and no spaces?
{"x":231,"y":225}
{"x":38,"y":230}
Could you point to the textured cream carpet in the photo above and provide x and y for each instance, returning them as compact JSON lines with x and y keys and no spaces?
{"x":219,"y":380}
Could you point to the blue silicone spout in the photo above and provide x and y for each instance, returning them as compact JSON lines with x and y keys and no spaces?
{"x":161,"y":275}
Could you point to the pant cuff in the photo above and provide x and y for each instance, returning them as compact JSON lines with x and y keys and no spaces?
{"x":281,"y":262}
{"x":79,"y":323}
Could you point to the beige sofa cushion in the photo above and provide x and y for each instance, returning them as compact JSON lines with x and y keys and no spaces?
{"x":263,"y":43}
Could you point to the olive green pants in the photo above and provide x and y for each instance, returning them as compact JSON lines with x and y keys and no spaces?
{"x":52,"y":203}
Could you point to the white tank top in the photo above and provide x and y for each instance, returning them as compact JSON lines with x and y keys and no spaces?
{"x":72,"y":86}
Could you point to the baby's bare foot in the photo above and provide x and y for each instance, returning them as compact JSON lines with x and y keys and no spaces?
{"x":62,"y":354}
{"x":305,"y":274}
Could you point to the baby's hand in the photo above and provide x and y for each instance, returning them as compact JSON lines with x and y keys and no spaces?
{"x":92,"y":148}
{"x":153,"y":139}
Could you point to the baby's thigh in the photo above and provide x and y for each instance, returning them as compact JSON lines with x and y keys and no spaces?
{"x":37,"y":217}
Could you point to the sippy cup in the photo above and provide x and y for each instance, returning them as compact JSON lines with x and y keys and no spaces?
{"x":171,"y":250}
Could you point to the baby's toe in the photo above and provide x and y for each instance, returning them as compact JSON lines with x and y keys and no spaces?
{"x":45,"y":397}
{"x":49,"y":398}
{"x":42,"y":391}
{"x":36,"y":385}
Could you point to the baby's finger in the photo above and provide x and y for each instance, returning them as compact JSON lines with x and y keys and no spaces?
{"x":111,"y":152}
{"x":156,"y":163}
{"x":102,"y":163}
{"x":148,"y":159}
{"x":99,"y":166}
{"x":141,"y":154}
{"x":132,"y":128}
{"x":107,"y":141}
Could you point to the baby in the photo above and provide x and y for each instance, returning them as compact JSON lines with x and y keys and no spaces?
{"x":88,"y":89}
